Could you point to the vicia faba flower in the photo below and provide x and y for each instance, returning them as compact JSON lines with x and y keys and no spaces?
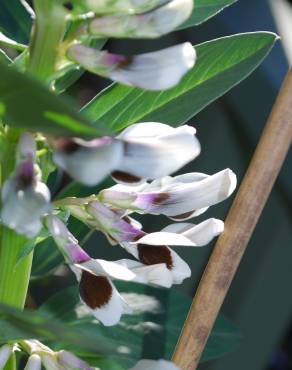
{"x":25,"y":198}
{"x":142,"y":151}
{"x":95,"y":276}
{"x":51,"y":360}
{"x":154,"y":365}
{"x":159,"y":70}
{"x":153,"y":248}
{"x":180,"y":198}
{"x":5,"y":353}
{"x":154,"y":23}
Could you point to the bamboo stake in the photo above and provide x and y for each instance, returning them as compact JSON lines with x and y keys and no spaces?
{"x":239,"y":225}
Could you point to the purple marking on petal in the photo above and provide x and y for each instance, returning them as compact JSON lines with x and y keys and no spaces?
{"x":25,"y":175}
{"x":76,"y":254}
{"x":114,"y":59}
{"x":127,"y":232}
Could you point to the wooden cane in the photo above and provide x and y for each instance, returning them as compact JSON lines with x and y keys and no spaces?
{"x":239,"y":225}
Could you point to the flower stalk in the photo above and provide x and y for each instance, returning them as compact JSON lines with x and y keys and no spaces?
{"x":48,"y":32}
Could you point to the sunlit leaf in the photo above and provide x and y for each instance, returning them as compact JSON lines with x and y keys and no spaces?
{"x":221,"y":65}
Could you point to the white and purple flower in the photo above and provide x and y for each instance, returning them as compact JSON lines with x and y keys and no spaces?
{"x":158,"y":70}
{"x":142,"y":151}
{"x":180,"y":198}
{"x":25,"y":198}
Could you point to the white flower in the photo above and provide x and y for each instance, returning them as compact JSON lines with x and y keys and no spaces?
{"x":142,"y":151}
{"x":153,"y":248}
{"x":96,"y":289}
{"x":88,"y":161}
{"x":154,"y":365}
{"x":159,"y":70}
{"x":179,"y":198}
{"x":25,"y":198}
{"x":51,"y":360}
{"x":155,"y":23}
{"x":154,"y":149}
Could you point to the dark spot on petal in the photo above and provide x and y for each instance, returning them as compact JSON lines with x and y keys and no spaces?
{"x":25,"y":175}
{"x":183,"y":215}
{"x":152,"y":255}
{"x":125,"y":177}
{"x":68,"y":5}
{"x":67,"y":145}
{"x":95,"y":291}
{"x":161,"y":198}
{"x":125,"y":61}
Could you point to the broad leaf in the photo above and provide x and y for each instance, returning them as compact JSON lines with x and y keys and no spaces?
{"x":204,"y":10}
{"x":150,"y":332}
{"x":17,"y":325}
{"x":221,"y":65}
{"x":27,"y":104}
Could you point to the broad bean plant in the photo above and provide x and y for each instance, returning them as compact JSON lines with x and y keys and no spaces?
{"x":136,"y":133}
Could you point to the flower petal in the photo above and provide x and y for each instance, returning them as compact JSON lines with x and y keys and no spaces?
{"x":155,"y":23}
{"x":88,"y":161}
{"x":154,"y":365}
{"x":113,"y":270}
{"x":101,"y":297}
{"x":33,"y":363}
{"x":23,"y":209}
{"x":159,"y":70}
{"x":66,"y":242}
{"x":71,"y":362}
{"x":157,"y":275}
{"x":155,"y":149}
{"x":200,"y":234}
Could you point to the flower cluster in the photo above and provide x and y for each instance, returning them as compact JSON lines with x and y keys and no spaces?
{"x":140,"y":153}
{"x":42,"y":356}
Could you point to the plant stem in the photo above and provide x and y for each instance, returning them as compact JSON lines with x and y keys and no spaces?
{"x":48,"y":32}
{"x":14,"y":277}
{"x":242,"y":218}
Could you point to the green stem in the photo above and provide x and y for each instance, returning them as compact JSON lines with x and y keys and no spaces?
{"x":14,"y":275}
{"x":48,"y":32}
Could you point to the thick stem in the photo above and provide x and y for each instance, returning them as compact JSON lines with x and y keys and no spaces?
{"x":48,"y":32}
{"x":14,"y":276}
{"x":240,"y":223}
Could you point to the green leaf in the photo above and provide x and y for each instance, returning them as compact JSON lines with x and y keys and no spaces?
{"x":28,"y":104}
{"x":17,"y":325}
{"x":150,"y":332}
{"x":221,"y":65}
{"x":15,"y":20}
{"x":204,"y":10}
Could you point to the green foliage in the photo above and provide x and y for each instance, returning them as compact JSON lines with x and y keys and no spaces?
{"x":16,"y":325}
{"x":204,"y":10}
{"x":150,"y":332}
{"x":28,"y":104}
{"x":221,"y":65}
